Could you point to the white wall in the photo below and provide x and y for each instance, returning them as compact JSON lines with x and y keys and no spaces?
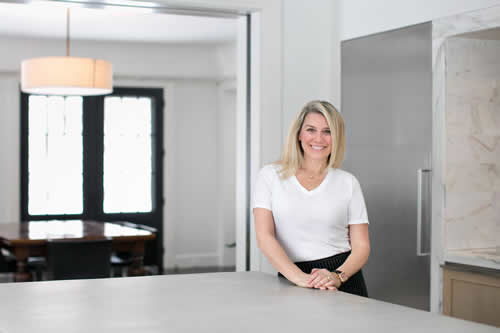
{"x":360,"y":17}
{"x":192,"y":147}
{"x":226,"y":60}
{"x":10,"y":186}
{"x":128,"y":59}
{"x":308,"y":41}
{"x":226,"y":172}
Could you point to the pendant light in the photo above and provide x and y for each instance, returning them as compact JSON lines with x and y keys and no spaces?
{"x":66,"y":75}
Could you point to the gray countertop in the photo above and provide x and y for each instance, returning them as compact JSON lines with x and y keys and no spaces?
{"x":215,"y":302}
{"x":487,"y":258}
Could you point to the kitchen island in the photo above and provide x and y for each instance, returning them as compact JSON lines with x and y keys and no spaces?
{"x":214,"y":302}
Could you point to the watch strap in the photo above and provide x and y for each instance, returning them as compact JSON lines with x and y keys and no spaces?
{"x":341,"y":275}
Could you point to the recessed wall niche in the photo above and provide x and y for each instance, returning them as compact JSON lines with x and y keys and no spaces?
{"x":467,"y":108}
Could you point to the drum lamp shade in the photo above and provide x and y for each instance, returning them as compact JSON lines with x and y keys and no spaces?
{"x":66,"y":76}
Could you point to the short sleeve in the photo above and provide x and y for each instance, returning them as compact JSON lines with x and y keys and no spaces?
{"x":357,"y":210}
{"x":263,"y":188}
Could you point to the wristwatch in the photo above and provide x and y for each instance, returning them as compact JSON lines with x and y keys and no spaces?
{"x":341,"y":276}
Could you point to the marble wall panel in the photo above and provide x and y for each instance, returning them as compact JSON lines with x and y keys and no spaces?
{"x":475,"y":203}
{"x":465,"y":210}
{"x":472,"y":177}
{"x":486,"y":148}
{"x":466,"y":22}
{"x":486,"y":118}
{"x":470,"y":89}
{"x":476,"y":237}
{"x":438,"y":170}
{"x":472,"y":122}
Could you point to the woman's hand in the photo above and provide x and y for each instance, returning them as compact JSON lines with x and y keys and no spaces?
{"x":323,"y":279}
{"x":302,"y":280}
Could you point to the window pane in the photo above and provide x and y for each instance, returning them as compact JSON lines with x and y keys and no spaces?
{"x":127,"y":155}
{"x":55,"y":155}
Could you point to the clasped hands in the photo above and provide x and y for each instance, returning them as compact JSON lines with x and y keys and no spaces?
{"x":319,"y":279}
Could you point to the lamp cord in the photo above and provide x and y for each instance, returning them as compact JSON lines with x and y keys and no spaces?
{"x":67,"y":32}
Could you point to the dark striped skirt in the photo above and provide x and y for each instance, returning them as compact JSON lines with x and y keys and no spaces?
{"x":356,"y":283}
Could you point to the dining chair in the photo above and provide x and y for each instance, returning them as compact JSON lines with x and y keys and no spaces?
{"x":7,"y":262}
{"x":78,"y":259}
{"x":121,"y":260}
{"x":37,"y":265}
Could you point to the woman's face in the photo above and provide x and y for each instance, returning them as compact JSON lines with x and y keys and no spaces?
{"x":315,"y":137}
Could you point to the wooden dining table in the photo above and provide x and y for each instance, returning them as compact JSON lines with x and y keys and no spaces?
{"x":29,"y":239}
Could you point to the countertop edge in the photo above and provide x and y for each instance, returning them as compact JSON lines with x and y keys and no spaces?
{"x":471,"y":261}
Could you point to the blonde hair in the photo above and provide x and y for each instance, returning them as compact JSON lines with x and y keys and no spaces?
{"x":293,"y":154}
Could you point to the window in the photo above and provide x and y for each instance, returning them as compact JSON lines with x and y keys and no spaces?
{"x":55,"y":155}
{"x":127,"y":154}
{"x":97,"y":158}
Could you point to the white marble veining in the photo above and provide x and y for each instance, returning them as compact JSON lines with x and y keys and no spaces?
{"x":466,"y":22}
{"x":472,"y":120}
{"x":438,"y":154}
{"x":466,"y":144}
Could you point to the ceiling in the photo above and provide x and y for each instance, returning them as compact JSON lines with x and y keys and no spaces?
{"x":113,"y":24}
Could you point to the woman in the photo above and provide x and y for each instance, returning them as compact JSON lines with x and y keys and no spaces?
{"x":310,"y":216}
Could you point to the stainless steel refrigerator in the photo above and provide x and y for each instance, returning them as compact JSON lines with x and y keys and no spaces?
{"x":387,"y":105}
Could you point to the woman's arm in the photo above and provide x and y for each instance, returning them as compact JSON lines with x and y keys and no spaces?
{"x":360,"y":245}
{"x":266,"y":239}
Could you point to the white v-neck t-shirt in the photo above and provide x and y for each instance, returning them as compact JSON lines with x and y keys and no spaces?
{"x":312,"y":224}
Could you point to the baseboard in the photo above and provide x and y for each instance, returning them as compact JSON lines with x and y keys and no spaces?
{"x":189,"y":260}
{"x":195,"y":270}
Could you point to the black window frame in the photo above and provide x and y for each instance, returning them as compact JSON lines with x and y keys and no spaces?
{"x":93,"y":153}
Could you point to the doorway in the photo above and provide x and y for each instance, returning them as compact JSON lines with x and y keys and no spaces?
{"x":197,"y":219}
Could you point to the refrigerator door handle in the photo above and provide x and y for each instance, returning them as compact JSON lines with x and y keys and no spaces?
{"x":420,"y":173}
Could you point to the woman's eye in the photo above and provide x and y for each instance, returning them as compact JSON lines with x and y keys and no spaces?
{"x":310,"y":130}
{"x":327,"y":132}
